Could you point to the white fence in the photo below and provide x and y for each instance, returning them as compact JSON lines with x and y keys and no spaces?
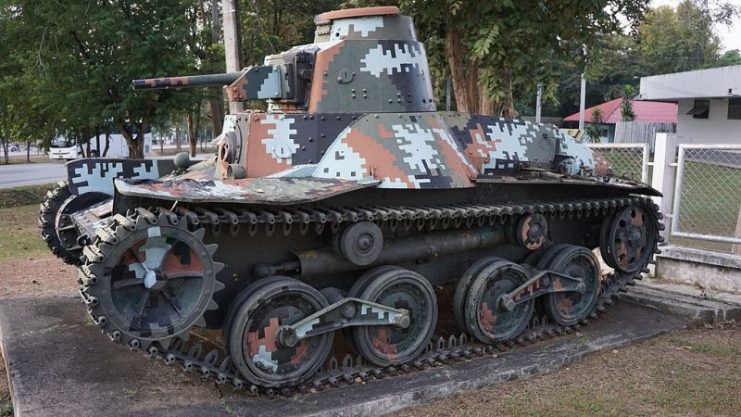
{"x":702,"y":189}
{"x":707,"y":193}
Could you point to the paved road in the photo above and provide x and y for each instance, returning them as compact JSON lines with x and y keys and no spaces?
{"x":29,"y":174}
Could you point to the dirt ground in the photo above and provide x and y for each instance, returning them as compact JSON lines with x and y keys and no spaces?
{"x":691,"y":372}
{"x":42,"y":275}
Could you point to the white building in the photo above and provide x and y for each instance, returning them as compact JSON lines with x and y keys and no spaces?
{"x":709,"y":103}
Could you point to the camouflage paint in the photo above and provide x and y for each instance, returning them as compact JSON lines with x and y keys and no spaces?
{"x":356,"y":106}
{"x":97,"y":174}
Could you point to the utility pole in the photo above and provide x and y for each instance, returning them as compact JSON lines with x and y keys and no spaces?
{"x":583,"y":94}
{"x":582,"y":101}
{"x":232,"y":43}
{"x":538,"y":101}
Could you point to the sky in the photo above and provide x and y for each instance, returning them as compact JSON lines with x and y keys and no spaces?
{"x":729,"y":36}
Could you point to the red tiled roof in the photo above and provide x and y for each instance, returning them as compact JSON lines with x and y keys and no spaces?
{"x":645,"y":111}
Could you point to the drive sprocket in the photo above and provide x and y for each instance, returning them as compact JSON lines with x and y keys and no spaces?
{"x":148,"y":279}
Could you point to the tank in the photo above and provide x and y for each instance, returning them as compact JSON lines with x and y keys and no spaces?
{"x":352,"y":209}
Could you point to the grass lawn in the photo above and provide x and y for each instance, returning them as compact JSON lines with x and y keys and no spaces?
{"x":684,"y":373}
{"x":19,"y":236}
{"x":23,"y":196}
{"x":19,"y":208}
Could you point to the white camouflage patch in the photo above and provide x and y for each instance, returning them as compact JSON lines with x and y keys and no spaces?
{"x":280,"y":145}
{"x":377,"y":61}
{"x":363,"y":25}
{"x":341,"y":161}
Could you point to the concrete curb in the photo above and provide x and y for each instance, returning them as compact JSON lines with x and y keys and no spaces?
{"x":59,"y":365}
{"x":685,"y":301}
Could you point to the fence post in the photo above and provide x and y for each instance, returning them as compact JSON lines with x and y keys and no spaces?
{"x":662,"y":179}
{"x":736,"y":248}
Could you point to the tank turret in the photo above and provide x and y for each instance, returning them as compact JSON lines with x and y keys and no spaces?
{"x":362,"y":60}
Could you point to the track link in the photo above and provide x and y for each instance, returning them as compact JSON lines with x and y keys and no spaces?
{"x":212,"y":363}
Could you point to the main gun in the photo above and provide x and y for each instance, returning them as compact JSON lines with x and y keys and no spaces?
{"x":208,"y":80}
{"x":252,"y":83}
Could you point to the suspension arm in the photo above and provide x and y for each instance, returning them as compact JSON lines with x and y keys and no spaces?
{"x":346,"y":312}
{"x":543,"y":282}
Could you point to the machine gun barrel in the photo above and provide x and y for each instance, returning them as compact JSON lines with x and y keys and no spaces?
{"x":207,"y":80}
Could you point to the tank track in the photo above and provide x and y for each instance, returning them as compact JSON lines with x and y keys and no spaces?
{"x":46,"y":220}
{"x":212,"y":363}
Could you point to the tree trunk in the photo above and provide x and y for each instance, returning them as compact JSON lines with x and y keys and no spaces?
{"x":107,"y":144}
{"x":508,"y":103}
{"x":487,"y":105}
{"x":192,"y":138}
{"x":456,"y":61}
{"x":472,"y":84}
{"x":217,"y":116}
{"x":5,"y":148}
{"x":177,"y":137}
{"x":28,"y":151}
{"x":135,"y":144}
{"x":141,"y":128}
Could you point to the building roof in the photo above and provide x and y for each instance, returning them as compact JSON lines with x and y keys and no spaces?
{"x":707,"y":83}
{"x":645,"y":111}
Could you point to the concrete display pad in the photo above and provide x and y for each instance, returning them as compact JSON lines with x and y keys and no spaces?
{"x":60,"y":365}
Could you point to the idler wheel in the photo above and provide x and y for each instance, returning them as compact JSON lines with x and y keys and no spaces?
{"x":399,"y":288}
{"x":571,"y":307}
{"x":532,"y":231}
{"x":254,"y":322}
{"x":55,"y":223}
{"x":485,"y":318}
{"x":360,"y":243}
{"x":154,"y":281}
{"x":627,"y":240}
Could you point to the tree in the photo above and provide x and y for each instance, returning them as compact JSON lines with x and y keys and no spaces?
{"x":674,"y":40}
{"x":83,"y":56}
{"x":731,"y":57}
{"x":494,"y":49}
{"x":593,"y":129}
{"x":626,"y":105}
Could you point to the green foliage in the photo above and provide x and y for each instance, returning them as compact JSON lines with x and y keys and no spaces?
{"x":677,"y":40}
{"x":69,"y":65}
{"x":731,"y":57}
{"x":626,"y":105}
{"x":665,"y":40}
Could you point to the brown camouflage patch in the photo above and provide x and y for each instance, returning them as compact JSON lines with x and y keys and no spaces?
{"x":487,"y":317}
{"x":254,"y":341}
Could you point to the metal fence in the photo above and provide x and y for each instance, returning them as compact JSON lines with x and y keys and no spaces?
{"x":627,"y":159}
{"x":707,"y":193}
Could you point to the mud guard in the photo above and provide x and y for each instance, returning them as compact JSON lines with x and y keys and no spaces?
{"x":97,"y":174}
{"x":269,"y":191}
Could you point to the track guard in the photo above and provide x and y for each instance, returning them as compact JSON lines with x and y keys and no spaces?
{"x":97,"y":174}
{"x":270,"y":191}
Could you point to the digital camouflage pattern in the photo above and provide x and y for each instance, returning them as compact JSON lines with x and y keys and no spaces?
{"x":356,"y":106}
{"x":96,"y":175}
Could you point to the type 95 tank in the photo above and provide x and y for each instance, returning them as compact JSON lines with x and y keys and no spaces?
{"x":351,"y":203}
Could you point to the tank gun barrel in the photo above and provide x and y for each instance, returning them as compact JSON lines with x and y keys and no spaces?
{"x":207,"y":80}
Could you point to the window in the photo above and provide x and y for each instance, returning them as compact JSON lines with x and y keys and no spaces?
{"x":701,"y":109}
{"x":734,"y":108}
